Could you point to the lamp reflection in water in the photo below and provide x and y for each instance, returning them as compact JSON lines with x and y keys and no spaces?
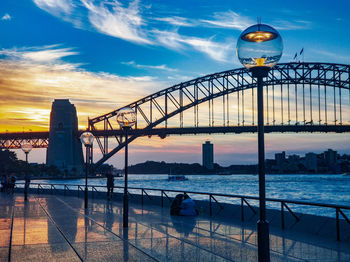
{"x":259,"y":48}
{"x":26,"y":148}
{"x":87,"y":139}
{"x":126,"y":118}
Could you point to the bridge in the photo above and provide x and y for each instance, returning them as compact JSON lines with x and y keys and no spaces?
{"x":299,"y":97}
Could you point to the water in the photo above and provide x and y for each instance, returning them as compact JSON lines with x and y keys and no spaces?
{"x":327,"y":189}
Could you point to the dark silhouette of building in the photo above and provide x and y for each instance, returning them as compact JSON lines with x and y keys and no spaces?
{"x":65,"y":149}
{"x":208,"y":155}
{"x":330,"y":157}
{"x":280,"y":159}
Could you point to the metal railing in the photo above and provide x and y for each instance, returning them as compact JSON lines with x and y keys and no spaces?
{"x":212,"y":197}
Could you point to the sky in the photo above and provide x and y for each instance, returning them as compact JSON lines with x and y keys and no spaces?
{"x":105,"y":54}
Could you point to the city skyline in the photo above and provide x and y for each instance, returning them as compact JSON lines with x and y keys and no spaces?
{"x":110,"y":53}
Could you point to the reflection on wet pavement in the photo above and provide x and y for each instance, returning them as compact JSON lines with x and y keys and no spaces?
{"x":57,"y":228}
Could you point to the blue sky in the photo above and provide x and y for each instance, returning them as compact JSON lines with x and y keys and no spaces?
{"x":112,"y":52}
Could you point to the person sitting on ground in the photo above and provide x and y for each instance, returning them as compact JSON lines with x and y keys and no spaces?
{"x":110,"y":184}
{"x":188,"y":207}
{"x":176,"y":204}
{"x":3,"y":183}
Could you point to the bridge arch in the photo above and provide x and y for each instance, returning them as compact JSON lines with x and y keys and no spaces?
{"x":324,"y":87}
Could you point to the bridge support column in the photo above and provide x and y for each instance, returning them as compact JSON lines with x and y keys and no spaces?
{"x":259,"y":73}
{"x":65,"y":150}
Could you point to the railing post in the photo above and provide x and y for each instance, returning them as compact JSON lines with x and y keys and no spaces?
{"x":282,"y":215}
{"x":64,"y":190}
{"x":210,"y":206}
{"x":242,"y":209}
{"x":337,"y":223}
{"x":51,"y":190}
{"x":162,"y":198}
{"x":142,"y":196}
{"x":38,"y":189}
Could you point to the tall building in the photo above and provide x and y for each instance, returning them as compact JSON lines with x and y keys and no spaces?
{"x":208,"y":155}
{"x":331,"y":157}
{"x":65,"y":149}
{"x":280,"y":159}
{"x":311,"y":162}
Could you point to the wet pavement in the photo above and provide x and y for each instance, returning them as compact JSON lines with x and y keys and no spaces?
{"x":57,"y":228}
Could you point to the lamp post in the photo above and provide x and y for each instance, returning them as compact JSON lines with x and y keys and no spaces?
{"x":87,"y":139}
{"x":126,"y":118}
{"x":26,"y":148}
{"x":259,"y":48}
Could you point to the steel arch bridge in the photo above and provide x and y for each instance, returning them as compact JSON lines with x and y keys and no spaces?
{"x":298,"y":97}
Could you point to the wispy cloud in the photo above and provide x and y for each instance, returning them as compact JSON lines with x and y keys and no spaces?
{"x":177,"y":21}
{"x":115,"y":20}
{"x":50,"y":55}
{"x":229,"y":19}
{"x":215,"y":50}
{"x":157,"y":67}
{"x":6,"y":17}
{"x":56,"y":7}
{"x":291,"y":25}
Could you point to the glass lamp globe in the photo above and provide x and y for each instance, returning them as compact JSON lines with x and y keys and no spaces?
{"x":259,"y":45}
{"x":126,"y":117}
{"x":26,"y":147}
{"x":87,"y":138}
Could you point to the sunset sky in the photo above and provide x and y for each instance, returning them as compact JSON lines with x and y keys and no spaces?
{"x":104,"y":54}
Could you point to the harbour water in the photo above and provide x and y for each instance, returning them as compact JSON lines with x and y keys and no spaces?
{"x":326,"y":189}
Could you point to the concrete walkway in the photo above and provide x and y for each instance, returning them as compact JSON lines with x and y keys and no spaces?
{"x":57,"y":228}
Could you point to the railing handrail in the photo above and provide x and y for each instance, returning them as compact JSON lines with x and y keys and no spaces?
{"x":213,"y":194}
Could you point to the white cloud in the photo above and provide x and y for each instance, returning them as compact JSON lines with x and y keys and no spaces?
{"x":157,"y":67}
{"x":44,"y":54}
{"x":56,"y":7}
{"x":114,"y":19}
{"x":177,"y":21}
{"x":291,"y":25}
{"x":117,"y":21}
{"x":229,"y":19}
{"x":215,"y":50}
{"x":6,"y":17}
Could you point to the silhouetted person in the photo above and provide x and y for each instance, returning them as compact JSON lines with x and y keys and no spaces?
{"x":12,"y":184}
{"x":188,"y":207}
{"x":3,"y":183}
{"x":110,"y":184}
{"x":176,"y":205}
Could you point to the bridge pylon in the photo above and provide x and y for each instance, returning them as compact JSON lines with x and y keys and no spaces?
{"x":65,"y":149}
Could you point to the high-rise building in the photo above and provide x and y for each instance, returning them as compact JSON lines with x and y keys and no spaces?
{"x":311,"y":161}
{"x":65,"y":149}
{"x":331,"y":157}
{"x":280,"y":159}
{"x":208,"y":155}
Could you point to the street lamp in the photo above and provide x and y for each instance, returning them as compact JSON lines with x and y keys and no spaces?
{"x":87,"y":139}
{"x":126,"y":118}
{"x":26,"y":148}
{"x":259,"y":48}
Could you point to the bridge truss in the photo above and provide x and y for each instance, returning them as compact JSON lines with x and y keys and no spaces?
{"x":15,"y":140}
{"x":299,"y":97}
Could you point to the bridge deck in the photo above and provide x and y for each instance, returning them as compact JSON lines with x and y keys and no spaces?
{"x":56,"y":228}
